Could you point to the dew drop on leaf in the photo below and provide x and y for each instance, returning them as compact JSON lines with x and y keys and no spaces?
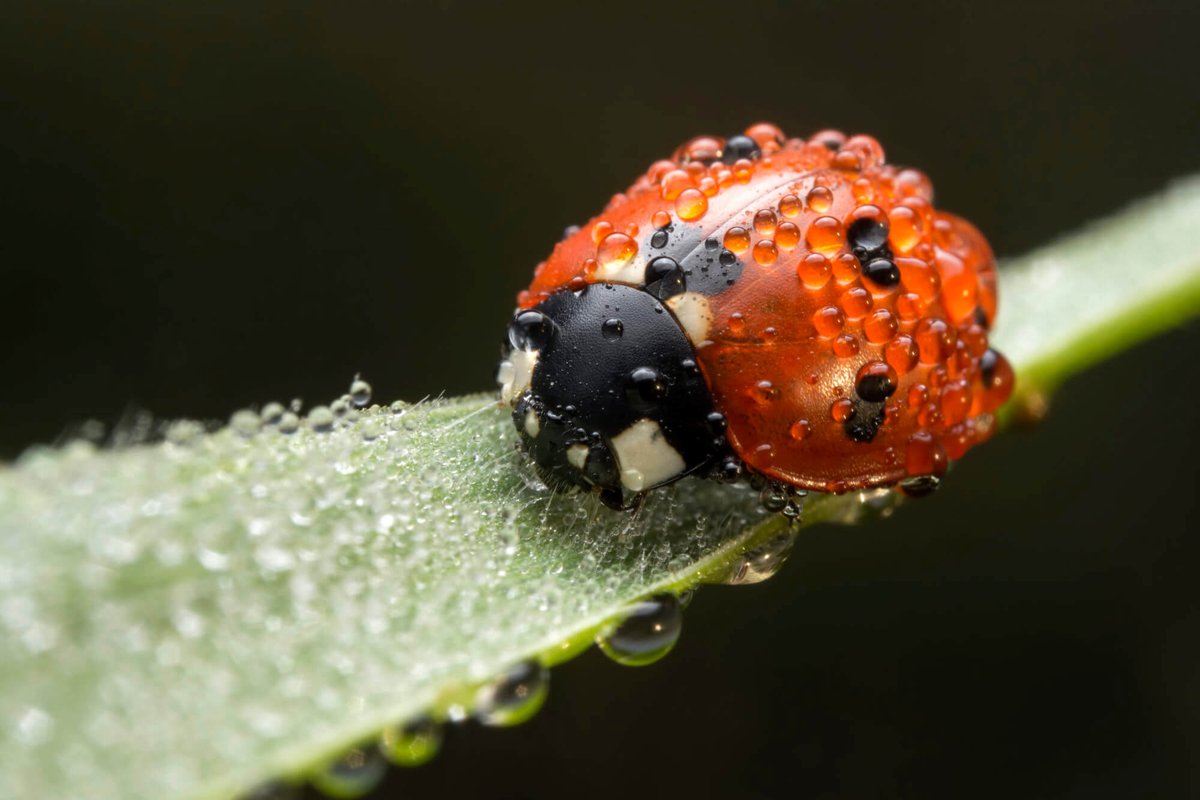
{"x":513,"y":696}
{"x":354,"y":774}
{"x":412,"y":744}
{"x":272,"y":413}
{"x":761,"y":563}
{"x":360,"y":392}
{"x":647,"y":632}
{"x":244,"y":422}
{"x":320,"y":418}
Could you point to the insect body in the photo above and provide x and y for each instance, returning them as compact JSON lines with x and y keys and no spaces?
{"x":790,"y":308}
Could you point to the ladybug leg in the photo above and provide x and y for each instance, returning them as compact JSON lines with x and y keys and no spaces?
{"x":611,"y":497}
{"x":920,"y":486}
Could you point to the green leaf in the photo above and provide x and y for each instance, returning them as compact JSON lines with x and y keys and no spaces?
{"x":1101,"y":290}
{"x":187,"y":619}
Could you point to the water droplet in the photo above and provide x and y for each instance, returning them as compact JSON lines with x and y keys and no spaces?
{"x":739,"y":147}
{"x":813,"y":271}
{"x":856,"y":303}
{"x":880,"y":326}
{"x":244,"y":422}
{"x":768,"y":136}
{"x":339,"y":408}
{"x":841,"y":410}
{"x":820,"y":199}
{"x":868,"y":228}
{"x":825,"y":235}
{"x":184,"y":432}
{"x":935,"y":340}
{"x":644,"y":388}
{"x":705,"y":149}
{"x":906,"y":226}
{"x":371,"y":429}
{"x":875,"y":382}
{"x":765,"y":252}
{"x":412,"y":744}
{"x":924,"y":455}
{"x":320,"y":418}
{"x":514,"y":696}
{"x":272,"y":413}
{"x":353,"y":775}
{"x":737,"y":323}
{"x":790,"y":206}
{"x":883,"y":272}
{"x":845,"y":346}
{"x":647,"y":633}
{"x":612,"y":329}
{"x":787,"y":235}
{"x":737,"y":239}
{"x":691,"y":205}
{"x":664,"y":278}
{"x":764,"y":222}
{"x":674,"y":182}
{"x":846,"y":268}
{"x":289,"y":422}
{"x":773,"y":498}
{"x":616,"y":250}
{"x":901,"y":353}
{"x":828,"y":321}
{"x":759,"y":564}
{"x":360,"y":393}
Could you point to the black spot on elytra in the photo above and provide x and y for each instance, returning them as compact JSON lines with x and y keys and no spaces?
{"x":867,"y":234}
{"x":868,"y":238}
{"x":987,"y":367}
{"x":875,"y":388}
{"x":882,"y":271}
{"x":864,"y":421}
{"x":740,"y":146}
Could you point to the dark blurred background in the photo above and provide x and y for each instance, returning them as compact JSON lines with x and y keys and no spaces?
{"x":210,"y":205}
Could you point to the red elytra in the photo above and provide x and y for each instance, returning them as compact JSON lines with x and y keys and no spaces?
{"x":863,"y":308}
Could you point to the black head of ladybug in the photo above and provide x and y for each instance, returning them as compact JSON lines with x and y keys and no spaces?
{"x":606,"y":393}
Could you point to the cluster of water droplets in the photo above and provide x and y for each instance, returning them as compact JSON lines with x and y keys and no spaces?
{"x":171,"y":614}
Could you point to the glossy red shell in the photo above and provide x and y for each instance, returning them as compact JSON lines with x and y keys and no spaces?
{"x":789,"y":341}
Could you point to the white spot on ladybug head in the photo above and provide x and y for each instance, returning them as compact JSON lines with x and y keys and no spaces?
{"x":515,"y":374}
{"x":694,"y":315}
{"x":533,"y":425}
{"x":577,"y":455}
{"x":645,"y":457}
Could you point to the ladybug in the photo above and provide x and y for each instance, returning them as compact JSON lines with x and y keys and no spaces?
{"x":794,"y":310}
